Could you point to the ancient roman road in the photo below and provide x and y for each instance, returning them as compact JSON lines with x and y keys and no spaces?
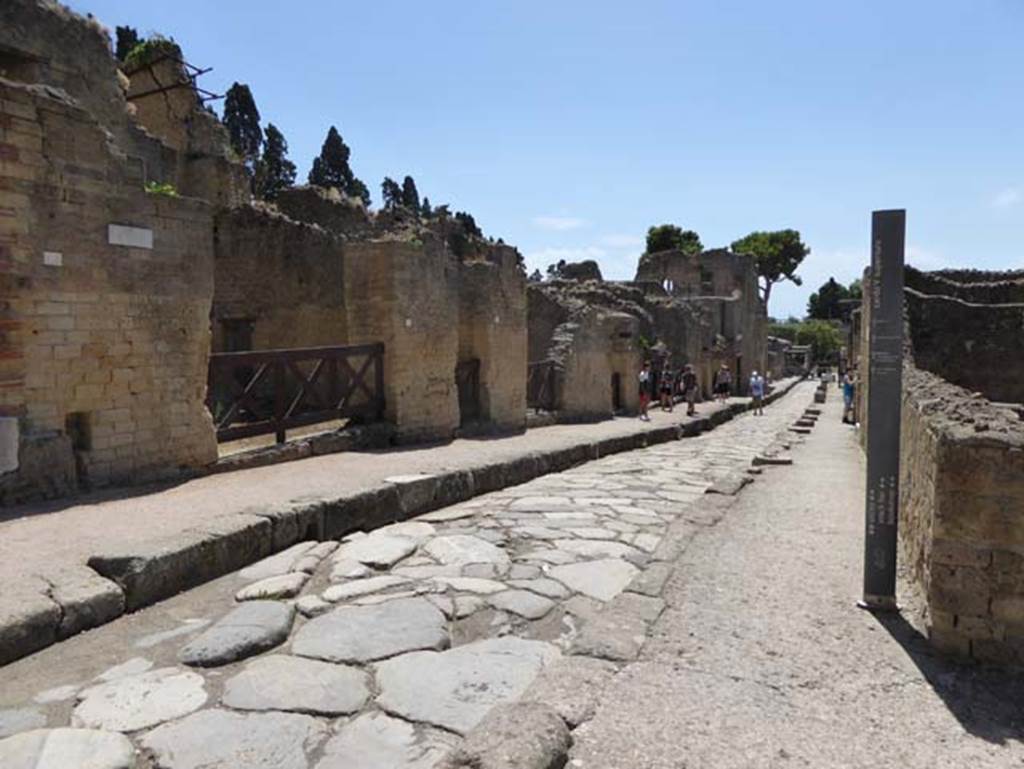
{"x":386,"y":649}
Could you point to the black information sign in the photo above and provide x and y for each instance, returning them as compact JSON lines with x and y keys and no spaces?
{"x":885,"y":373}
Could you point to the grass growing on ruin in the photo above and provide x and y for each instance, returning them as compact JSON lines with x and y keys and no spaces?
{"x":149,"y":51}
{"x":161,"y":188}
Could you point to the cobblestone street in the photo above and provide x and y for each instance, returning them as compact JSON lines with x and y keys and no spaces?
{"x":384,"y":650}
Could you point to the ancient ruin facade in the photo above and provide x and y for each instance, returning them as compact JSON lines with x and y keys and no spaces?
{"x":962,"y":458}
{"x":106,"y":287}
{"x":132,"y":249}
{"x":329,"y":273}
{"x":683,"y":309}
{"x":723,"y":286}
{"x":584,"y":356}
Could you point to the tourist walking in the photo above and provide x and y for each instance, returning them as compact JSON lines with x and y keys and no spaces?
{"x":690,"y":389}
{"x":849,"y":389}
{"x":757,"y":393}
{"x":646,"y":386}
{"x":667,"y":389}
{"x":723,"y":383}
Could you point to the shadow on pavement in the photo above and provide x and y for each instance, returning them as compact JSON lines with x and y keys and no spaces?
{"x":92,"y":497}
{"x":986,"y":701}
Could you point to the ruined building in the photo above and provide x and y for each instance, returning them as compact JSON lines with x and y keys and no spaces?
{"x":722,"y":286}
{"x":588,"y":337}
{"x":327,"y":273}
{"x":584,"y":349}
{"x":962,"y":457}
{"x":106,"y":287}
{"x":126,"y":224}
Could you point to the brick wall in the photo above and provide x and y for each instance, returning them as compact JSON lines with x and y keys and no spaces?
{"x":105,"y":345}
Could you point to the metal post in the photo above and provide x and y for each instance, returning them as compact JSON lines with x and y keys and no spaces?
{"x":885,"y":372}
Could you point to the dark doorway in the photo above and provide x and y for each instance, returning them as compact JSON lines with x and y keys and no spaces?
{"x":616,"y":392}
{"x":467,"y":379}
{"x":237,"y":334}
{"x":741,"y":386}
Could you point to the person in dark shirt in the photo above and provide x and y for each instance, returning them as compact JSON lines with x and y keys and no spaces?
{"x":667,"y":388}
{"x":690,"y":389}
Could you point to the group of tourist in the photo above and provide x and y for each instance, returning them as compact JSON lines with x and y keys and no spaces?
{"x":666,"y":384}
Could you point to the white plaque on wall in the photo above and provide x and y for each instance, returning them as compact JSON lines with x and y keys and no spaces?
{"x":133,"y":237}
{"x":53,"y":258}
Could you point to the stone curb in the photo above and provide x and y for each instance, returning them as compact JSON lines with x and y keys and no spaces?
{"x":156,"y":570}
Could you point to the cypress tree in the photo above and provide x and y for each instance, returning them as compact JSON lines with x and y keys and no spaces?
{"x":331,"y":168}
{"x":390,"y":192}
{"x":425,"y":210}
{"x":275,"y":171}
{"x":468,"y":223}
{"x":410,"y":195}
{"x":242,"y":120}
{"x":357,"y":189}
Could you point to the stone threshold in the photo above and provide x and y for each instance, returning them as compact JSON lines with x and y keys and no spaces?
{"x":132,"y":577}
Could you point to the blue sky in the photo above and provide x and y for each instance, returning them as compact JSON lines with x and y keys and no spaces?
{"x":568,"y":128}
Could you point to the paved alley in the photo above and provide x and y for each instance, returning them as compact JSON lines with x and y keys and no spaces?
{"x":386,"y":649}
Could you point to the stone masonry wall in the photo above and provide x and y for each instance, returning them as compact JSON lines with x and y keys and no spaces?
{"x":722,"y":287}
{"x":404,"y":293}
{"x":977,"y":346}
{"x":962,"y":517}
{"x":588,"y":350}
{"x":203,"y":163}
{"x":106,"y":300}
{"x":492,"y":329}
{"x":45,"y":43}
{"x":969,"y":285}
{"x":284,"y":278}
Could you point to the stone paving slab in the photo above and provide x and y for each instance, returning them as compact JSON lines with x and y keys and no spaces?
{"x":412,"y":654}
{"x":283,"y":682}
{"x":253,"y":627}
{"x":141,"y":701}
{"x":376,"y":740}
{"x":221,"y":739}
{"x":67,"y":749}
{"x":191,"y":533}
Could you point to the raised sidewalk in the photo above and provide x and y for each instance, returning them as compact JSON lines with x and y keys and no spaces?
{"x":69,"y":566}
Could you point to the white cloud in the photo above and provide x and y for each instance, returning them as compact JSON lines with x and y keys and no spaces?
{"x":619,"y":240}
{"x":1007,"y":198}
{"x":558,"y":223}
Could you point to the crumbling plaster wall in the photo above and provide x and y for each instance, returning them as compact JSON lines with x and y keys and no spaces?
{"x":107,"y":294}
